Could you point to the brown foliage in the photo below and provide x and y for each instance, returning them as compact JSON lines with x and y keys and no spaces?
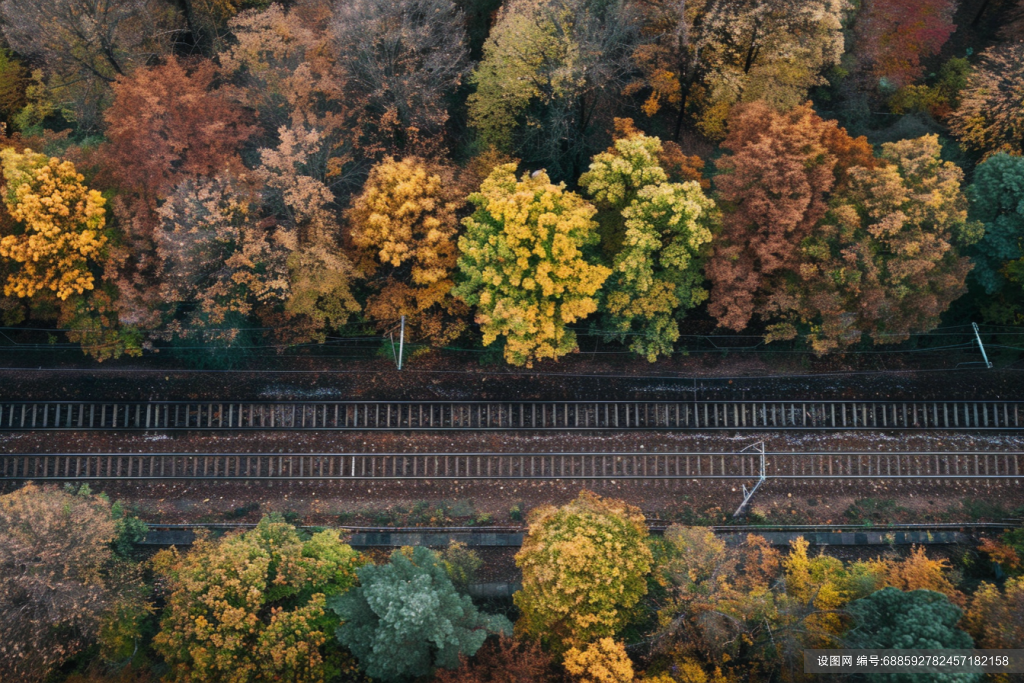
{"x":53,"y":546}
{"x":502,"y":660}
{"x":169,"y":122}
{"x":774,"y":187}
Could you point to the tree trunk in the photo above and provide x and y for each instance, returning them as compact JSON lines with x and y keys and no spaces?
{"x":981,"y":11}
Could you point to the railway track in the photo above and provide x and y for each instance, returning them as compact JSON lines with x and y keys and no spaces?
{"x":822,"y":465}
{"x":511,"y":415}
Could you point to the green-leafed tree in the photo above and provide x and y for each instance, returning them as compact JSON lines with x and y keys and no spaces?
{"x":406,"y":617}
{"x":252,"y":607}
{"x":549,"y":73}
{"x":894,"y":619}
{"x":997,"y":200}
{"x":665,"y":227}
{"x":522,"y":266}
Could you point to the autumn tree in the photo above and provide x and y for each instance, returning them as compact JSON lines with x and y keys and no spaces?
{"x":60,"y":224}
{"x":995,"y":617}
{"x":773,"y":184}
{"x":169,"y":122}
{"x":700,"y":58}
{"x":997,"y":200}
{"x":406,"y":617}
{"x":252,"y":606}
{"x":522,"y":266}
{"x":990,"y":118}
{"x":718,"y":616}
{"x":584,"y":567}
{"x":281,"y":68}
{"x":886,"y":259}
{"x":502,"y":660}
{"x":404,"y":58}
{"x":54,"y":547}
{"x":217,"y":255}
{"x":404,"y":225}
{"x":894,"y":36}
{"x":166,"y":123}
{"x":548,"y":73}
{"x":14,"y":80}
{"x":656,"y":272}
{"x":603,"y":661}
{"x":298,"y":200}
{"x":87,"y":44}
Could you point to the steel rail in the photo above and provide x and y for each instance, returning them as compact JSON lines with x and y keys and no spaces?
{"x":510,"y":415}
{"x":811,"y":465}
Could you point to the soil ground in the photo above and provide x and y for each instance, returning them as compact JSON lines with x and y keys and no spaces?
{"x":576,"y":377}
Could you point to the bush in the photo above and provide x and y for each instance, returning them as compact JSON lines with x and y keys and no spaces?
{"x":462,"y":564}
{"x":406,"y":617}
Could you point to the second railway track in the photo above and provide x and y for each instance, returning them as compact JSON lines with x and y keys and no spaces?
{"x":821,"y":465}
{"x":509,"y":415}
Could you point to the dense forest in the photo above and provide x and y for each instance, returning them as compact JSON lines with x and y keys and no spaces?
{"x":210,"y":173}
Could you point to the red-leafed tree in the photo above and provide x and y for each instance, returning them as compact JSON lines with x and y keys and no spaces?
{"x":893,"y":36}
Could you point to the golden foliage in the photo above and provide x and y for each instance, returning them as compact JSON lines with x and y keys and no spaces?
{"x":603,"y":661}
{"x":584,"y":567}
{"x":994,"y":617}
{"x":523,"y":267}
{"x":404,"y":224}
{"x":252,"y":606}
{"x":62,"y":220}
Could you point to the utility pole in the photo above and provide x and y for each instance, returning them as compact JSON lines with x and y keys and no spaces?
{"x":401,"y":343}
{"x":748,"y":495}
{"x":981,"y":346}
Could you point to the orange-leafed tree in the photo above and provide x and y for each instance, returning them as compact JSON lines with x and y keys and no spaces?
{"x":502,"y":660}
{"x":774,"y":184}
{"x":168,"y":122}
{"x":990,"y":118}
{"x":404,"y":225}
{"x":995,"y":617}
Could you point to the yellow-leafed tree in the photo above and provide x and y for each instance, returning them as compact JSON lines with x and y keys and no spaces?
{"x":404,"y":224}
{"x":603,"y":661}
{"x":523,"y":267}
{"x":584,"y":566}
{"x":59,"y":224}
